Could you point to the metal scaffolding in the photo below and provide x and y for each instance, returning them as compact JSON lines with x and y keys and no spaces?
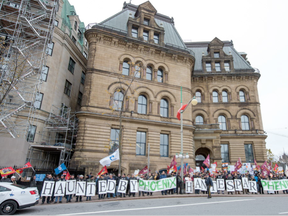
{"x":26,"y":28}
{"x":58,"y":139}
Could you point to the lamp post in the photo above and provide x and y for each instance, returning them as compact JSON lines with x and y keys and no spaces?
{"x":193,"y":102}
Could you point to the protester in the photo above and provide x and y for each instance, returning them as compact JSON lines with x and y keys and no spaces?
{"x":209,"y":184}
{"x":47,"y":178}
{"x":60,"y":197}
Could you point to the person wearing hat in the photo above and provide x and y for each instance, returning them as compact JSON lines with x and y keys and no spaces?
{"x":62,"y":178}
{"x":79,"y":197}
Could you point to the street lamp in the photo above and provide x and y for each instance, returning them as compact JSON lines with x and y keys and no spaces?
{"x":193,"y":102}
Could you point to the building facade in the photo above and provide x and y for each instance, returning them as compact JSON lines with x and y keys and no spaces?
{"x":137,"y":68}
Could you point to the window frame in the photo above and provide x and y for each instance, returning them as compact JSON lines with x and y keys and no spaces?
{"x":250,"y":156}
{"x":150,"y":73}
{"x":156,"y":38}
{"x":197,"y":118}
{"x":146,"y":35}
{"x":226,"y":153}
{"x":160,"y":75}
{"x":83,"y":77}
{"x":216,"y":55}
{"x":142,"y":105}
{"x":227,"y":66}
{"x":71,"y":65}
{"x":163,"y":144}
{"x":75,"y":25}
{"x":214,"y":96}
{"x":56,"y":23}
{"x":73,"y":39}
{"x":217,"y":66}
{"x":40,"y":101}
{"x":164,"y":109}
{"x":114,"y":138}
{"x":209,"y":68}
{"x":245,"y":125}
{"x":198,"y":97}
{"x":222,"y":124}
{"x":67,"y":88}
{"x":141,"y":143}
{"x":117,"y":100}
{"x":146,"y":21}
{"x":134,"y":32}
{"x":79,"y":98}
{"x":128,"y":69}
{"x":49,"y":49}
{"x":44,"y":73}
{"x":29,"y":139}
{"x":225,"y":96}
{"x":242,"y":96}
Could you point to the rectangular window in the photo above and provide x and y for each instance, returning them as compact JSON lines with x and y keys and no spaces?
{"x":56,"y":22}
{"x":75,"y":25}
{"x":60,"y":138}
{"x":38,"y":100}
{"x":49,"y":48}
{"x":164,"y":145}
{"x":216,"y":55}
{"x":145,"y":35}
{"x":85,"y":54}
{"x":249,"y":153}
{"x":73,"y":39}
{"x":217,"y":66}
{"x":208,"y":67}
{"x":67,"y":89}
{"x":79,"y":34}
{"x":85,"y":42}
{"x":71,"y":65}
{"x":64,"y":110}
{"x":156,"y":38}
{"x":31,"y":133}
{"x":83,"y":76}
{"x":225,"y":153}
{"x":79,"y":100}
{"x":141,"y":143}
{"x":114,"y":140}
{"x":146,"y":21}
{"x":135,"y":32}
{"x":44,"y":73}
{"x":227,"y":66}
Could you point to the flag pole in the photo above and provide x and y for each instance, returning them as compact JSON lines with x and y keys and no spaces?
{"x":181,"y":152}
{"x":148,"y":159}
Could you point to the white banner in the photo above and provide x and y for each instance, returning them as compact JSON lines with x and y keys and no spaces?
{"x":122,"y":187}
{"x":188,"y":187}
{"x":102,"y":187}
{"x":214,"y":188}
{"x":90,"y":189}
{"x":197,"y":183}
{"x":111,"y":187}
{"x":70,"y":187}
{"x":157,"y":185}
{"x":47,"y":189}
{"x":133,"y":186}
{"x":230,"y":185}
{"x":252,"y":186}
{"x":238,"y":184}
{"x":59,"y":188}
{"x":80,"y":188}
{"x":220,"y":184}
{"x":245,"y":183}
{"x":203,"y":185}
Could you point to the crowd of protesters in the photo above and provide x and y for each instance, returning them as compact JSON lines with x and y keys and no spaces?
{"x":151,"y":176}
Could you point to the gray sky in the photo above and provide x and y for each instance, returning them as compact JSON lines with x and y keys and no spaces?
{"x":257,"y":27}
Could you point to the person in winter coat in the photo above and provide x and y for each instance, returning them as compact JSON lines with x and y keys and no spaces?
{"x":162,"y":176}
{"x":80,"y":197}
{"x":209,"y":184}
{"x":47,"y":178}
{"x":60,"y":197}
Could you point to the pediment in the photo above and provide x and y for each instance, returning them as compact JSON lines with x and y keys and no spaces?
{"x":146,"y":6}
{"x":216,"y":42}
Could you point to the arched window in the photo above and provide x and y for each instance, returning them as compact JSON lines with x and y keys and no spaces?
{"x":224,"y":96}
{"x":164,"y":108}
{"x":242,"y":96}
{"x":137,"y":73}
{"x":245,"y":122}
{"x":149,"y":73}
{"x":118,"y":100}
{"x":199,"y":120}
{"x":198,"y":96}
{"x":126,"y":68}
{"x":142,"y":104}
{"x":160,"y":75}
{"x":222,"y":122}
{"x":215,"y":96}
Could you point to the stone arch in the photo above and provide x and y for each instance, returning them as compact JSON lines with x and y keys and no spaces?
{"x":245,"y":88}
{"x":144,"y":89}
{"x":168,"y":94}
{"x":223,"y":112}
{"x":163,"y":66}
{"x":226,"y":88}
{"x":126,"y":56}
{"x":201,"y":112}
{"x":245,"y":111}
{"x":215,"y":88}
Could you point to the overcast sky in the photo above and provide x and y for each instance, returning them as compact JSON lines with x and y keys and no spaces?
{"x":257,"y":27}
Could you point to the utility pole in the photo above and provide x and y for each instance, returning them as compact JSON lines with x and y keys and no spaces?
{"x":148,"y":158}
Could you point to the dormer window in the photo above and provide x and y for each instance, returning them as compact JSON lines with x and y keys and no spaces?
{"x":208,"y":67}
{"x":217,"y":66}
{"x":227,"y":66}
{"x":145,"y":35}
{"x":156,"y":38}
{"x":146,"y":21}
{"x":216,"y":55}
{"x":135,"y":32}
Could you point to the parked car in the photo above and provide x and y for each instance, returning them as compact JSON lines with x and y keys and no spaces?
{"x":14,"y":197}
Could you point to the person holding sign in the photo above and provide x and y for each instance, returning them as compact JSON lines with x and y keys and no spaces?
{"x":48,"y":178}
{"x":209,"y":184}
{"x":60,"y":197}
{"x":79,"y":197}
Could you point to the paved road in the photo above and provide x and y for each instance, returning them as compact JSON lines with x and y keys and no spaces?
{"x":233,"y":205}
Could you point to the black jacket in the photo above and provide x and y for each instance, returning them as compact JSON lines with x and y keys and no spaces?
{"x":208,"y":182}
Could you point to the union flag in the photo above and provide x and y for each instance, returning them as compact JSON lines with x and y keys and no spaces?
{"x":7,"y":171}
{"x":103,"y":171}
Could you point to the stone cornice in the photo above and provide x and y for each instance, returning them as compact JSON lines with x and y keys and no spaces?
{"x":225,"y":76}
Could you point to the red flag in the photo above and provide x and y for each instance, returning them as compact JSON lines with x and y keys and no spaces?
{"x":276,"y":168}
{"x":215,"y":163}
{"x":20,"y":171}
{"x":27,"y":165}
{"x":257,"y":166}
{"x":7,"y":171}
{"x":144,"y":170}
{"x":238,"y":165}
{"x":207,"y":161}
{"x":103,"y":171}
{"x":185,"y":169}
{"x":191,"y":170}
{"x":173,"y":162}
{"x":179,"y":111}
{"x":202,"y":169}
{"x":67,"y":177}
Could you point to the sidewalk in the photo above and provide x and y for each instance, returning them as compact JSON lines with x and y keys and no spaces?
{"x":158,"y":195}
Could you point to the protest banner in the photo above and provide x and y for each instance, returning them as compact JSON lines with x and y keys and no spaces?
{"x":47,"y":189}
{"x":213,"y":189}
{"x":275,"y":185}
{"x":133,"y":186}
{"x":111,"y":186}
{"x":230,"y":185}
{"x":203,"y":185}
{"x":80,"y":188}
{"x":220,"y":184}
{"x":90,"y":189}
{"x":252,"y":187}
{"x":197,"y":183}
{"x":70,"y":187}
{"x":245,"y":183}
{"x":59,"y":189}
{"x":188,"y":187}
{"x":156,"y":185}
{"x":122,"y":186}
{"x":238,"y":184}
{"x":102,"y":187}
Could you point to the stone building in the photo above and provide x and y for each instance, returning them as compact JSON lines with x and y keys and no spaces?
{"x":137,"y":61}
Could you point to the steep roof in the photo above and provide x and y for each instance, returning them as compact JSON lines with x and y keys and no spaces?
{"x":119,"y":22}
{"x":200,"y":49}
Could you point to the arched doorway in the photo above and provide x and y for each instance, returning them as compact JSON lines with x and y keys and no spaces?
{"x":200,"y":156}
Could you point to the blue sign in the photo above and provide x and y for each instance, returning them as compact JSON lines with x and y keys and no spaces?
{"x":40,"y":177}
